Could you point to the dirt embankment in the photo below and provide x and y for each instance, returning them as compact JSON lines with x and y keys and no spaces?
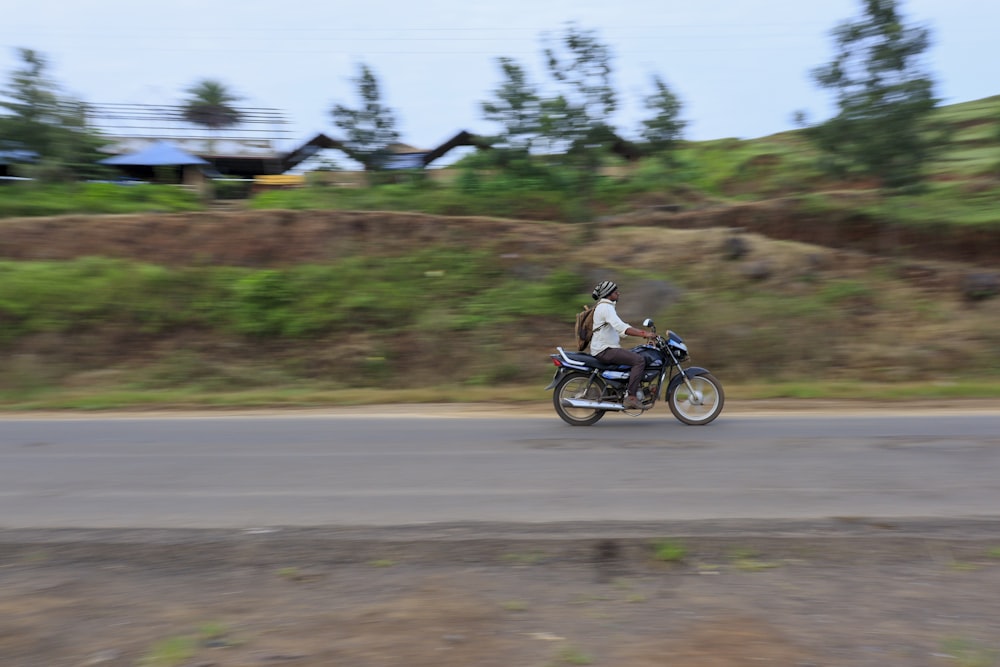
{"x":782,"y":219}
{"x":260,"y":238}
{"x":277,"y":238}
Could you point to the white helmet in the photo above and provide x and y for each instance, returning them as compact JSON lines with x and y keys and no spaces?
{"x":603,"y":289}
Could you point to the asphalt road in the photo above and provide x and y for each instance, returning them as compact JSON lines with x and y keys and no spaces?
{"x":360,"y":469}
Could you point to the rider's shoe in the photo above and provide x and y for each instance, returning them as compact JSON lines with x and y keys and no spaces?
{"x":632,"y":403}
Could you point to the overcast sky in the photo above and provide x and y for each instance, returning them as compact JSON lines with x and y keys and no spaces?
{"x":740,"y":68}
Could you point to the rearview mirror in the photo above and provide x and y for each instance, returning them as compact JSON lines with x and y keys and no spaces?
{"x":648,"y":323}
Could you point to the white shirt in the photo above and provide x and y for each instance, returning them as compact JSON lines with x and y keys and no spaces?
{"x":608,"y":327}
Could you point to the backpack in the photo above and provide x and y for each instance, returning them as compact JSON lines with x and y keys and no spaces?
{"x":584,"y":327}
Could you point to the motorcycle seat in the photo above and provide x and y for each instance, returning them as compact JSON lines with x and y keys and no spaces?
{"x":593,"y":361}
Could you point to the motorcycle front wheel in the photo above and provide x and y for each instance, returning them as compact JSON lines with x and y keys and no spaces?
{"x":699,"y":404}
{"x":578,"y":386}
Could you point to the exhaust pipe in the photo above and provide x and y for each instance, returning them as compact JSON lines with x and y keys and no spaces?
{"x":591,"y":405}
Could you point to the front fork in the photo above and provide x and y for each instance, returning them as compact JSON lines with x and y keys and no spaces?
{"x":683,"y":376}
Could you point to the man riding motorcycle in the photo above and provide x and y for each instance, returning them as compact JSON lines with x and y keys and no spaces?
{"x":606,"y":341}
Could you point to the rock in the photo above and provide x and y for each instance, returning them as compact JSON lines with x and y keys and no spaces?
{"x":646,"y":298}
{"x":735,"y":247}
{"x":980,"y":286}
{"x":758,"y":271}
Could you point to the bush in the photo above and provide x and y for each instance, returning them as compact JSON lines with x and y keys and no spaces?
{"x":40,"y":199}
{"x":468,"y":290}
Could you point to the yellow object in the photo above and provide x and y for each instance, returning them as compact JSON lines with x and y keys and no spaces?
{"x":280,"y":179}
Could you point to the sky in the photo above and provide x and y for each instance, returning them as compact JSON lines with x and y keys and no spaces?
{"x":740,"y":68}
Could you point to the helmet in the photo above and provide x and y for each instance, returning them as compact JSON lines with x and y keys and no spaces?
{"x":603,"y":289}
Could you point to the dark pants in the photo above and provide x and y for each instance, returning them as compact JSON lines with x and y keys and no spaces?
{"x":616,"y":355}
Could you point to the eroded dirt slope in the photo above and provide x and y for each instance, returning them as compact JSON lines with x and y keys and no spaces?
{"x":273,"y":238}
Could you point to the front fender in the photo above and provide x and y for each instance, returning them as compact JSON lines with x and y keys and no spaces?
{"x":694,"y":371}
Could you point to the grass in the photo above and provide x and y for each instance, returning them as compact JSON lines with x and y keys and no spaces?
{"x":747,"y":560}
{"x":170,"y":652}
{"x":571,"y":655}
{"x":527,"y":395}
{"x":532,"y":558}
{"x":38,"y":199}
{"x":669,"y":551}
{"x":967,"y":653}
{"x":864,"y":390}
{"x":179,"y":650}
{"x":963,"y":566}
{"x":268,"y":398}
{"x":514,"y":605}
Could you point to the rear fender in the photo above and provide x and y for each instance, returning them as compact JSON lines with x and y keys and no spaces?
{"x":555,"y":378}
{"x":566,"y":365}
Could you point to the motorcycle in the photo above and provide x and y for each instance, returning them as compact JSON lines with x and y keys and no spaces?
{"x":585,"y":389}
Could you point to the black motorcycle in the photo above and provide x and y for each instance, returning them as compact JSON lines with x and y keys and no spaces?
{"x":586,"y":389}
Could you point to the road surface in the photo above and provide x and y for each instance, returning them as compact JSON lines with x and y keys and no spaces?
{"x":246,"y":471}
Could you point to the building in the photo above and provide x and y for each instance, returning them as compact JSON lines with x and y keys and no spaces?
{"x":252,"y":148}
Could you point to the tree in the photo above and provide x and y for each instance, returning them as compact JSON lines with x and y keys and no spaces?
{"x":563,"y":137}
{"x":40,"y":119}
{"x":884,"y":98}
{"x":370,"y":129}
{"x":662,"y":131}
{"x":577,"y":121}
{"x":517,"y":109}
{"x":211,"y":104}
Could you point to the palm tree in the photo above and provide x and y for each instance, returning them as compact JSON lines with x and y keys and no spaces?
{"x":210,"y":104}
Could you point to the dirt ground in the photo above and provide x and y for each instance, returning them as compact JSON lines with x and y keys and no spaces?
{"x":842,"y":592}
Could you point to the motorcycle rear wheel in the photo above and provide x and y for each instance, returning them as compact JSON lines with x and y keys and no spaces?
{"x":580,"y":386}
{"x":701,"y":406}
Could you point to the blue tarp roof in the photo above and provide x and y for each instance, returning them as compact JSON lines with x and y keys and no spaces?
{"x":162,"y":153}
{"x":17,"y":155}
